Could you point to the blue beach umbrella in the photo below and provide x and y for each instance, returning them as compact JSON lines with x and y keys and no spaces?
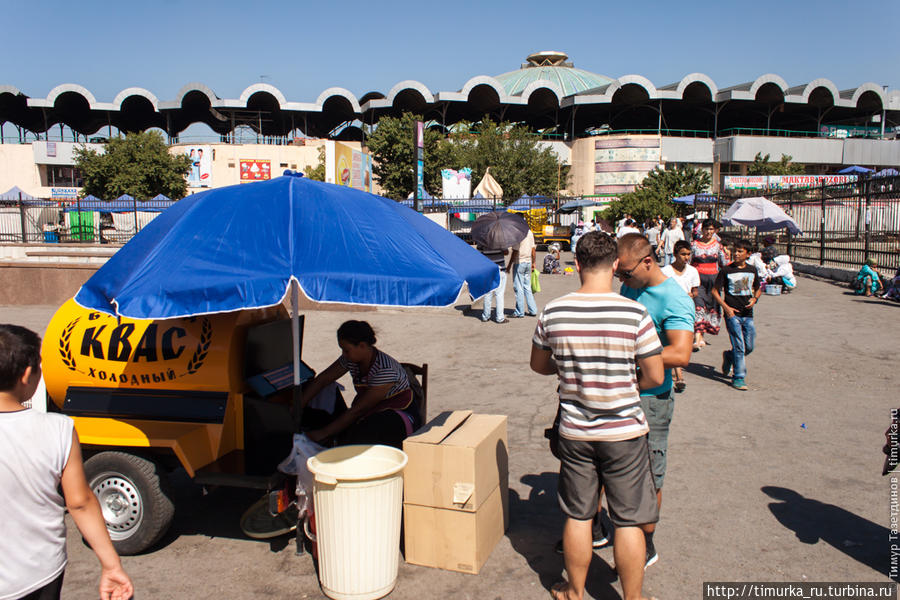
{"x":241,"y":246}
{"x":246,"y":246}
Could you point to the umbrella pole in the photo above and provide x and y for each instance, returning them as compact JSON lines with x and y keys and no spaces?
{"x":295,"y":347}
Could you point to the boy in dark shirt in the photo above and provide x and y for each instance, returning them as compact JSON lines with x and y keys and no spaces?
{"x":740,"y":284}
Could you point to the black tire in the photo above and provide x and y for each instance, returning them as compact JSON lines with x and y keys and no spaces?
{"x":132,"y":494}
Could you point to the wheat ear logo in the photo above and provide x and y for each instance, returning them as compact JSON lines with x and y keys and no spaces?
{"x":202,"y":348}
{"x":65,"y":352}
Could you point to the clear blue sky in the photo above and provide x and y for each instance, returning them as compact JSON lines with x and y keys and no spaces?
{"x":305,"y":47}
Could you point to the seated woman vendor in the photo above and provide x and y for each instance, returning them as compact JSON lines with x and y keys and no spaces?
{"x":384,"y":410}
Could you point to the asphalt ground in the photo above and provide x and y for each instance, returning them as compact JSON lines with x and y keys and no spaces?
{"x":779,"y":483}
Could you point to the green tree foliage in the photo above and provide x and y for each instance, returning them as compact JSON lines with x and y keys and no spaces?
{"x":762,"y":166}
{"x":317,"y":173}
{"x":391,"y":145}
{"x":653,"y":196}
{"x":138,"y":164}
{"x":518,"y":163}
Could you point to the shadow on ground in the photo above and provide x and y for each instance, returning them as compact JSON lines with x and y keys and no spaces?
{"x":215,"y":513}
{"x":536,"y":525}
{"x":812,"y":521}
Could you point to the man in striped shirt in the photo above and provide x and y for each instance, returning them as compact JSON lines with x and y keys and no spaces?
{"x":593,"y":340}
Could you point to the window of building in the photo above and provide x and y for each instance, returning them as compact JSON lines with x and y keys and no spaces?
{"x":63,"y":176}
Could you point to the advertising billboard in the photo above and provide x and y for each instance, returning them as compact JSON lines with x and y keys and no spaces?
{"x":200,"y":174}
{"x":255,"y":170}
{"x":781,"y":182}
{"x":456,"y":185}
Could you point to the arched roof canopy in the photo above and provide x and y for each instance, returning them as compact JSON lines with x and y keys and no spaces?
{"x":483,"y":99}
{"x":193,"y":89}
{"x":692,"y":85}
{"x":136,"y":92}
{"x":407,"y":86}
{"x":631,"y":93}
{"x":869,"y":96}
{"x":484,"y":81}
{"x":263,"y":88}
{"x":136,"y":113}
{"x":820,"y":97}
{"x":68,"y":89}
{"x":769,"y":93}
{"x":409,"y":100}
{"x":543,"y":87}
{"x":339,"y":92}
{"x":769,"y":81}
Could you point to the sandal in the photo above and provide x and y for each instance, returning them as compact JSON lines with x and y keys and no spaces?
{"x":679,"y":386}
{"x":557,"y":590}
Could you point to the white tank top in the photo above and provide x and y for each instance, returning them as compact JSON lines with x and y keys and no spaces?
{"x":34,"y":448}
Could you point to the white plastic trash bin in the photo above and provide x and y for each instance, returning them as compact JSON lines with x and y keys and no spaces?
{"x":358,"y":498}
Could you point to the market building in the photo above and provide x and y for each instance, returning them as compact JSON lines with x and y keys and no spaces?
{"x":612,"y":131}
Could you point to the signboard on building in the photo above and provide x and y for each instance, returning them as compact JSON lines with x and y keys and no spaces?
{"x":63,"y":193}
{"x":255,"y":170}
{"x":200,"y":174}
{"x":781,"y":182}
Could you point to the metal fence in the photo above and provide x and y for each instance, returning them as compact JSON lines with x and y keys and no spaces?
{"x":30,"y":221}
{"x":843,"y":225}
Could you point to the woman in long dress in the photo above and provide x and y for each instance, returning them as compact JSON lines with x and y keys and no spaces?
{"x":708,"y":255}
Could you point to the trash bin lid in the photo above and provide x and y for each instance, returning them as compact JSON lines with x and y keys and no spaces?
{"x":356,"y":463}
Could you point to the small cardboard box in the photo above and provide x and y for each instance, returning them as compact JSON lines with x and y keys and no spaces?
{"x":456,"y":460}
{"x":456,"y":505}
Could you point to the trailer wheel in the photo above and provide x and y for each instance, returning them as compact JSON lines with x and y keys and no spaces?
{"x":132,"y":497}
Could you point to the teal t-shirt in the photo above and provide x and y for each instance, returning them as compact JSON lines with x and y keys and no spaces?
{"x":671,"y":309}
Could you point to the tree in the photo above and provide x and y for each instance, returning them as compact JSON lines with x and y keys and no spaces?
{"x":517,"y":161}
{"x":138,"y":164}
{"x":653,"y":196}
{"x":317,"y":173}
{"x":762,"y":166}
{"x":391,"y":145}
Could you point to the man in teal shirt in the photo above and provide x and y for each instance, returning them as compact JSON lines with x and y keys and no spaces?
{"x":672,"y":311}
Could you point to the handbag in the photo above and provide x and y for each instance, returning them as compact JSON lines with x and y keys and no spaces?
{"x":535,"y":281}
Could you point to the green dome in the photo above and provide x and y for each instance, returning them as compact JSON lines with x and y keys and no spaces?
{"x":551,"y":66}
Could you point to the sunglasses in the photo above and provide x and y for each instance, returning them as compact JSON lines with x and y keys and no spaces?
{"x":626,"y":274}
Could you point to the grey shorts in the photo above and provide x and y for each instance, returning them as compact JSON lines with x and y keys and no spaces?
{"x":658,"y":410}
{"x":622,"y":467}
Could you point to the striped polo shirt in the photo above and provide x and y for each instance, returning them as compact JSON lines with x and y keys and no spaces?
{"x":595,"y":340}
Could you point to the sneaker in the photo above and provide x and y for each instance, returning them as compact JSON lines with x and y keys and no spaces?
{"x":739,"y":384}
{"x":502,"y":322}
{"x":600,"y":539}
{"x":726,"y":363}
{"x":679,"y":386}
{"x":652,"y":555}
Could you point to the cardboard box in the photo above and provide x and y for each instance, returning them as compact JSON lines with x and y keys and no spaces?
{"x":456,"y":504}
{"x":456,"y":461}
{"x":455,"y":540}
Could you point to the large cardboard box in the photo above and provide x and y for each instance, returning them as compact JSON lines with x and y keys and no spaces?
{"x":456,"y":505}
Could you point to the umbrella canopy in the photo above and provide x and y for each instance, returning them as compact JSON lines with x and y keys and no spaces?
{"x":573,"y":205}
{"x":160,"y":198}
{"x":855,"y":169}
{"x":488,"y":186}
{"x":16,"y":193}
{"x":242,"y":246}
{"x":499,"y":230}
{"x":760,"y":213}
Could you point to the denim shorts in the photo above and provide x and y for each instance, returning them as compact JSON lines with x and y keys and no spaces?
{"x":658,"y":410}
{"x":623,"y":467}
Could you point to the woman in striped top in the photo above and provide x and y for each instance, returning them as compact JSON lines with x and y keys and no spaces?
{"x":384,"y":410}
{"x":708,"y":254}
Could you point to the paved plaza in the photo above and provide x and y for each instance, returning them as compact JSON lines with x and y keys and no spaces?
{"x":779,"y":483}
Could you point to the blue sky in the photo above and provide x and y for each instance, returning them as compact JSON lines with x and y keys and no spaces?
{"x":303,"y":48}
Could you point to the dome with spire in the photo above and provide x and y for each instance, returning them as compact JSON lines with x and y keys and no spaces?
{"x":551,"y":66}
